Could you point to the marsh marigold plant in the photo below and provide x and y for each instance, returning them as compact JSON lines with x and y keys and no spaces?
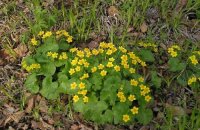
{"x":104,"y":84}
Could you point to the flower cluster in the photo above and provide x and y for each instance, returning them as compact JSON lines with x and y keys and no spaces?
{"x":107,"y":55}
{"x":192,"y":80}
{"x":173,"y":50}
{"x":64,"y":33}
{"x":81,"y":92}
{"x":193,"y":60}
{"x":149,"y":45}
{"x":30,"y":67}
{"x":107,"y":76}
{"x":55,"y":55}
{"x":44,"y":35}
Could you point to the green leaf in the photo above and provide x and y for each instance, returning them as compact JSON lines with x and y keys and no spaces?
{"x":96,"y":80}
{"x":144,"y":116}
{"x":48,"y":46}
{"x":147,"y":55}
{"x":63,"y":45}
{"x":108,"y":116}
{"x":31,"y":83}
{"x":48,"y":69}
{"x":118,"y":111}
{"x":41,"y":58}
{"x":112,"y":82}
{"x":109,"y":96}
{"x":176,"y":65}
{"x":63,"y":81}
{"x":49,"y":88}
{"x":79,"y":106}
{"x":155,"y":79}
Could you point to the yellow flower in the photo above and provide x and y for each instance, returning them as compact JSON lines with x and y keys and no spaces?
{"x":74,"y":61}
{"x":110,"y":64}
{"x":71,"y":71}
{"x":85,"y":76}
{"x":192,"y":80}
{"x":94,"y":69}
{"x":122,"y":49}
{"x":124,"y":57}
{"x":100,"y":66}
{"x":63,"y":56}
{"x":109,"y":52}
{"x":126,"y":66}
{"x":72,"y":50}
{"x":103,"y":73}
{"x":134,"y":62}
{"x":75,"y":98}
{"x":143,"y":64}
{"x":95,"y":52}
{"x":86,"y":64}
{"x":47,"y":34}
{"x":131,"y":98}
{"x":132,"y":70}
{"x":80,"y":53}
{"x":120,"y":94}
{"x":66,"y":34}
{"x":111,"y":59}
{"x":134,"y":82}
{"x":49,"y":53}
{"x":141,"y":79}
{"x":147,"y":98}
{"x":34,"y":42}
{"x":54,"y":55}
{"x":101,"y":51}
{"x":134,"y":110}
{"x":117,"y":68}
{"x":69,"y":39}
{"x":193,"y":59}
{"x":142,"y":87}
{"x":126,"y":118}
{"x":85,"y":99}
{"x":82,"y":85}
{"x":78,"y":68}
{"x":103,"y":45}
{"x":82,"y":61}
{"x":122,"y":98}
{"x":40,"y":33}
{"x":83,"y":92}
{"x":88,"y":54}
{"x":73,"y":85}
{"x":174,"y":54}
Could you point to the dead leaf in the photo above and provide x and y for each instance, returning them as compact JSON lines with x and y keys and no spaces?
{"x":30,"y":105}
{"x":144,"y":128}
{"x":45,"y":125}
{"x":113,"y":11}
{"x":34,"y":124}
{"x":74,"y":127}
{"x":93,"y":45}
{"x":144,"y":27}
{"x":84,"y":127}
{"x":21,"y":50}
{"x":43,"y":106}
{"x":16,"y":117}
{"x":176,"y":110}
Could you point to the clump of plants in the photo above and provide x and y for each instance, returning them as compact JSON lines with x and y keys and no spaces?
{"x":185,"y":65}
{"x":105,"y":84}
